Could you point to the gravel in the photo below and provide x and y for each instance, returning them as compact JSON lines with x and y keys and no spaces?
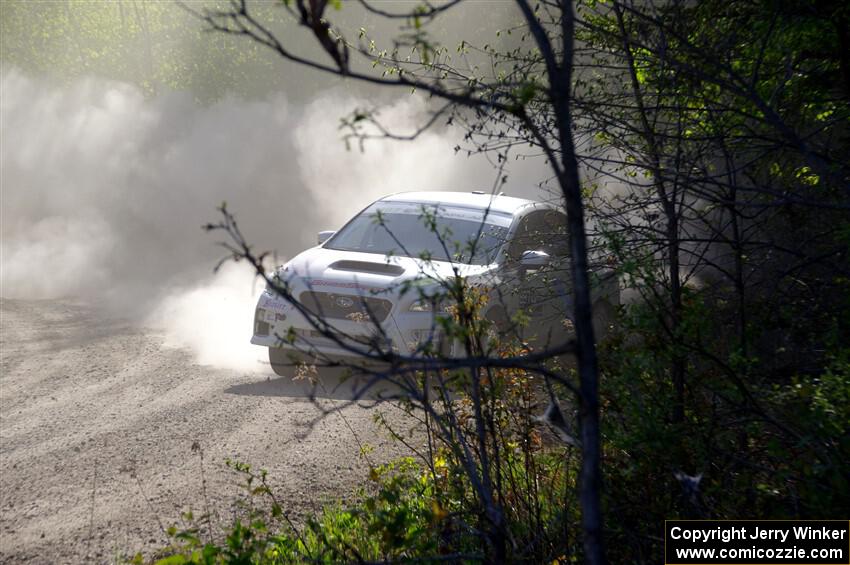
{"x":97,"y":424}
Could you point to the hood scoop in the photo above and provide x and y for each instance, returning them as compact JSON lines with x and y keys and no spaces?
{"x":367,"y":267}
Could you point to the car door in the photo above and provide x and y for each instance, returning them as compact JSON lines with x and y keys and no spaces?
{"x":541,"y":292}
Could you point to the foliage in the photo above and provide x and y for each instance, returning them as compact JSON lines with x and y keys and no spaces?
{"x":761,"y":447}
{"x":153,"y":45}
{"x":729,"y":124}
{"x":765,"y":434}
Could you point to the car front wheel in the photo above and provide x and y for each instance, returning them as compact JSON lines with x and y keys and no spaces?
{"x":279,"y":361}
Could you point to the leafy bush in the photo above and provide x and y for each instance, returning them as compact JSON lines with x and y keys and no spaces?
{"x":407,"y":512}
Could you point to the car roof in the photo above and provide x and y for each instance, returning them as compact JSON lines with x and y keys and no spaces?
{"x":478,"y":199}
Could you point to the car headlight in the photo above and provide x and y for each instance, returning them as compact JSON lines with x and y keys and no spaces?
{"x":276,"y":278}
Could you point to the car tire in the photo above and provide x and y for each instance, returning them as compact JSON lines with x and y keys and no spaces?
{"x":280,"y":361}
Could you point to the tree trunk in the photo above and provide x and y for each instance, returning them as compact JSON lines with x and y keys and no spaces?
{"x":591,"y":471}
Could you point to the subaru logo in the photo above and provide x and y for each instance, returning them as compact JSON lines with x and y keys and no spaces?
{"x":344,"y":302}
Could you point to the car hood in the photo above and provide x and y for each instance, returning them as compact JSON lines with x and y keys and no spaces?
{"x":336,"y":270}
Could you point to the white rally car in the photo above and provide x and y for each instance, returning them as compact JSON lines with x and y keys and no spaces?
{"x":373,"y":280}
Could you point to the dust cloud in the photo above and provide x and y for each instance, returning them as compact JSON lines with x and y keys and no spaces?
{"x":211,"y":319}
{"x":104,"y":191}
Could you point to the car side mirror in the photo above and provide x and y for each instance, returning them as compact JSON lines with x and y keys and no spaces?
{"x":325,"y":235}
{"x":532,"y":259}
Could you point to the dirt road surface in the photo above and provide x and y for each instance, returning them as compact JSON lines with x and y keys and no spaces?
{"x":97,"y":423}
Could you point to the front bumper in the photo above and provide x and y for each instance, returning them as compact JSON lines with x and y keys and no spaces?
{"x":278,"y":324}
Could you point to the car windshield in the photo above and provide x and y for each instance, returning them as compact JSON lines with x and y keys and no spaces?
{"x":435,"y":231}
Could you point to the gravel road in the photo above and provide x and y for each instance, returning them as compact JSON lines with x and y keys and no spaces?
{"x":97,"y":423}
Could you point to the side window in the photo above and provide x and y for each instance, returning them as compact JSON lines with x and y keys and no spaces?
{"x":527,"y":236}
{"x":556,"y":234}
{"x":543,"y":230}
